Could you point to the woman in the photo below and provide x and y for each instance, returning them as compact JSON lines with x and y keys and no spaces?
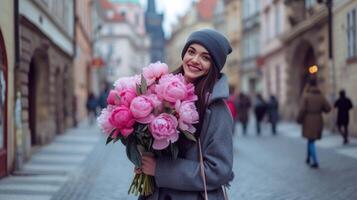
{"x":204,"y":56}
{"x":313,"y":104}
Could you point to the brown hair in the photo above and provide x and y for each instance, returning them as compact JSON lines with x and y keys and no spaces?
{"x":203,"y":88}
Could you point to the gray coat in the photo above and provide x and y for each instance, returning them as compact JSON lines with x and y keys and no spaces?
{"x":181,"y":178}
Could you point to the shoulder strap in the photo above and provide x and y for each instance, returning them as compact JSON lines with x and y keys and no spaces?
{"x":204,"y":175}
{"x":202,"y":169}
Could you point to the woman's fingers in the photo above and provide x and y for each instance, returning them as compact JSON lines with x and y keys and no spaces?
{"x":148,"y":165}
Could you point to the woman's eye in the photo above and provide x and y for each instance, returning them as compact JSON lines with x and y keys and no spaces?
{"x":190,"y":52}
{"x":206,"y":58}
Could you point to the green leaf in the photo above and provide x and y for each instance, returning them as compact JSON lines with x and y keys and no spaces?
{"x":110,"y":138}
{"x":138,"y":90}
{"x":174,"y":150}
{"x":144,"y":86}
{"x":132,"y":151}
{"x":189,"y":135}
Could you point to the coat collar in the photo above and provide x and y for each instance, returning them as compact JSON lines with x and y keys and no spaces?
{"x":220,"y":89}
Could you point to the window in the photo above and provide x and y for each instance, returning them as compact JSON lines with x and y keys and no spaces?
{"x":309,"y":3}
{"x":277,"y":19}
{"x":351,"y":34}
{"x":2,"y":95}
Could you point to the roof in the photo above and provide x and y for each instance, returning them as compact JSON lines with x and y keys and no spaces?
{"x":206,"y":8}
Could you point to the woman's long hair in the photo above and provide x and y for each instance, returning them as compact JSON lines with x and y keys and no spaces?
{"x":203,"y":89}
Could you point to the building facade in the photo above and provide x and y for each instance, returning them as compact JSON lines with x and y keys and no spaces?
{"x":250,"y":69}
{"x":7,"y":65}
{"x":199,"y":17}
{"x":153,"y":24}
{"x":233,"y":32}
{"x":274,"y":67}
{"x":84,"y":73}
{"x":306,"y":44}
{"x":345,"y":54}
{"x":44,"y":75}
{"x":122,"y":41}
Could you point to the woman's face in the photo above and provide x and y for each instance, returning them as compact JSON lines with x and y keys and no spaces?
{"x":196,"y":62}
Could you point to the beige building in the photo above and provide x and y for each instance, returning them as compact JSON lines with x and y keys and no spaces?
{"x":233,"y":32}
{"x":44,"y":74}
{"x":195,"y":19}
{"x":83,"y":77}
{"x":345,"y":52}
{"x":273,"y":64}
{"x":306,"y":44}
{"x":7,"y":65}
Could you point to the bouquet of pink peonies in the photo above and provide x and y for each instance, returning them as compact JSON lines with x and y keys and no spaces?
{"x":148,"y":113}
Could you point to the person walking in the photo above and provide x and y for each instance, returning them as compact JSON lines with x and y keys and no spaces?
{"x":343,"y":105}
{"x":243,"y":111}
{"x":232,"y":102}
{"x":273,"y":113}
{"x":91,"y":107}
{"x":203,"y":58}
{"x":312,"y":105}
{"x":260,"y":108}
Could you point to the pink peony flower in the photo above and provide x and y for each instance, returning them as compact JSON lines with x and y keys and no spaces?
{"x":154,"y":71}
{"x":127,"y":83}
{"x":141,"y":107}
{"x":126,"y":96}
{"x":188,"y":115}
{"x":103,"y":120}
{"x":113,"y":98}
{"x":163,"y":129}
{"x":123,"y":120}
{"x":191,"y":96}
{"x":171,"y":88}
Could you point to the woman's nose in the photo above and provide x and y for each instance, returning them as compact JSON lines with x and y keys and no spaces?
{"x":195,"y":58}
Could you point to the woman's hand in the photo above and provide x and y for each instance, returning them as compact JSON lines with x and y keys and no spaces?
{"x":148,"y":165}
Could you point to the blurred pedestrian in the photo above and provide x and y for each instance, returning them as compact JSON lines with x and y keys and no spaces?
{"x":102,"y":101}
{"x":244,"y":105}
{"x":232,"y":103}
{"x":91,"y":107}
{"x":260,"y":108}
{"x":312,"y":105}
{"x":273,"y":113}
{"x":343,"y":106}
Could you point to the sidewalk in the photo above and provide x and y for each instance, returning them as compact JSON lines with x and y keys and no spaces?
{"x":329,"y":139}
{"x":51,"y":166}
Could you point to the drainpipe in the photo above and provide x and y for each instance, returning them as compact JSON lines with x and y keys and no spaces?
{"x":19,"y":136}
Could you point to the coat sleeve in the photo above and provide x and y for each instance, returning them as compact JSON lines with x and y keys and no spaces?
{"x":185,"y":175}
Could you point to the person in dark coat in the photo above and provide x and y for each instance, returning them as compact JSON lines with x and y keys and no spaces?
{"x":203,"y":57}
{"x":102,"y":100}
{"x":260,"y":108}
{"x":312,"y":105}
{"x":91,"y":107}
{"x":232,"y":103}
{"x":273,"y":113}
{"x":243,"y":111}
{"x":343,"y":106}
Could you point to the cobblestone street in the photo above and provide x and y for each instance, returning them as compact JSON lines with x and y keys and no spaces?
{"x":79,"y":166}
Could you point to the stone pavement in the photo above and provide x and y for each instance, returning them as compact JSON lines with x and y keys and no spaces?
{"x":51,"y":166}
{"x":79,"y":166}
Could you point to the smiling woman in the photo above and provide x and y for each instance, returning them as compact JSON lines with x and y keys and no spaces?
{"x":205,"y":165}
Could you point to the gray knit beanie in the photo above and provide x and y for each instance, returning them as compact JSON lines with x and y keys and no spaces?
{"x":216,"y":44}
